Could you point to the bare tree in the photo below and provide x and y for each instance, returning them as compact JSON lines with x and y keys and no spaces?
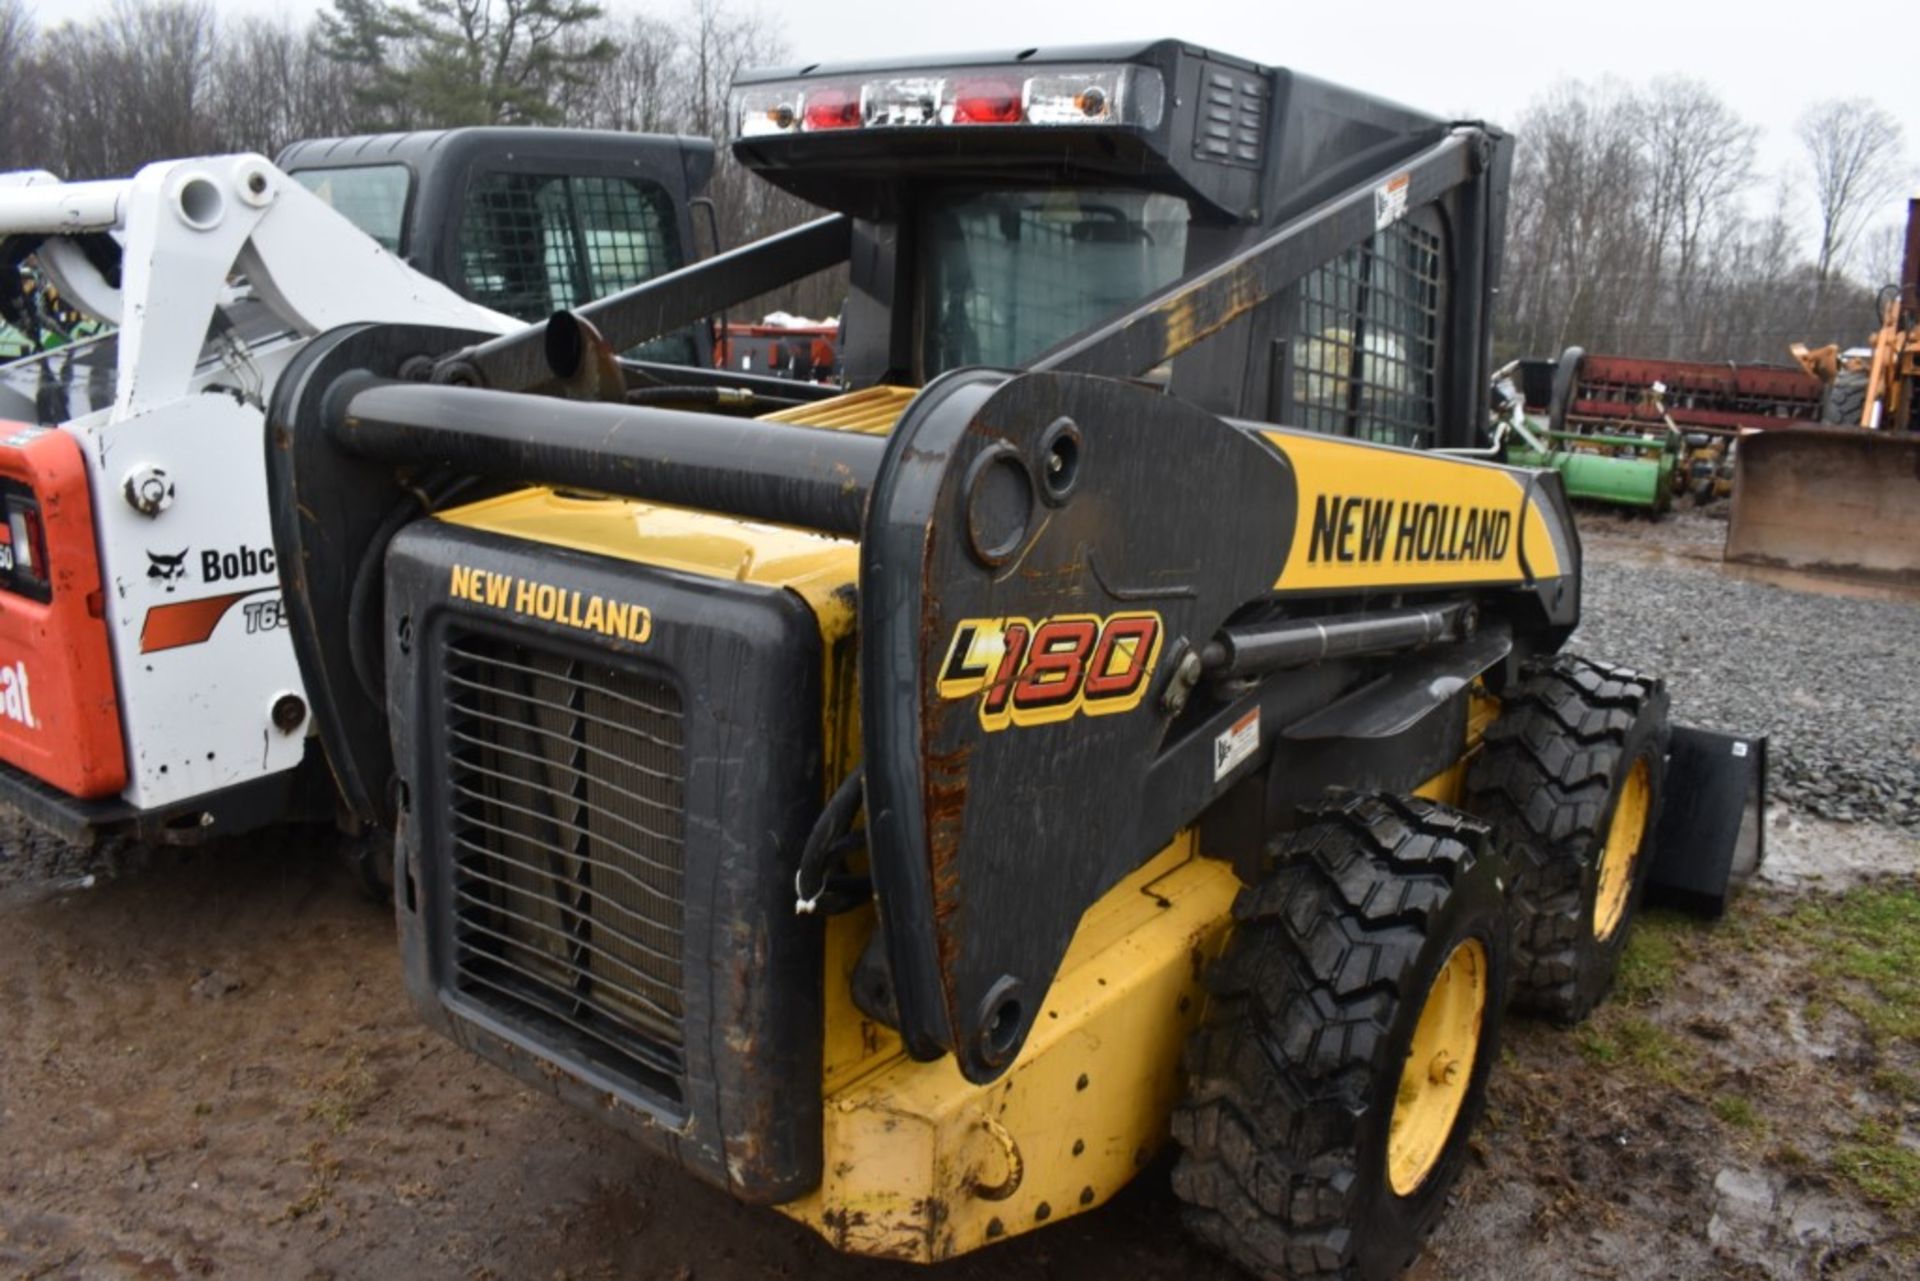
{"x":1628,"y":232}
{"x":127,"y":89}
{"x":272,"y":85}
{"x":19,"y":94}
{"x":1882,"y":252}
{"x":1854,"y":150}
{"x":1699,"y":160}
{"x":1577,"y":223}
{"x":636,"y":90}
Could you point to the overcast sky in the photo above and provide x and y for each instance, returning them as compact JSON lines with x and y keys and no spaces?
{"x":1768,"y":58}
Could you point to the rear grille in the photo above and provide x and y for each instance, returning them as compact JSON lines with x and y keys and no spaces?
{"x":565,"y":780}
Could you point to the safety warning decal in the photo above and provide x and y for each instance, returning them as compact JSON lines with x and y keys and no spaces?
{"x":1390,"y":201}
{"x":1235,"y":744}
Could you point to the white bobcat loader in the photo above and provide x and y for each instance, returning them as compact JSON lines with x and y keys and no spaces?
{"x":147,"y":683}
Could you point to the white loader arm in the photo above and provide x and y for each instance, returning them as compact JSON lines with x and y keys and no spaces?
{"x":35,"y":201}
{"x":186,"y":227}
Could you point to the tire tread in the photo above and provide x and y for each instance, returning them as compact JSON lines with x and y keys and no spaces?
{"x":1543,"y":778}
{"x":1300,"y":1001}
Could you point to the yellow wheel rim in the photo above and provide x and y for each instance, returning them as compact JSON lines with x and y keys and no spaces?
{"x":1439,"y":1067}
{"x":1625,"y":835}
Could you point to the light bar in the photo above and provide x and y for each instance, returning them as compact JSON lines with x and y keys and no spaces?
{"x":1057,"y":96}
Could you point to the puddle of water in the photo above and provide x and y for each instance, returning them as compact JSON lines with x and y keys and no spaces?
{"x":1615,"y":550}
{"x":1811,"y":853}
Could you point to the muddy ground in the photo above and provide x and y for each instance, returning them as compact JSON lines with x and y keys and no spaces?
{"x":207,"y":1068}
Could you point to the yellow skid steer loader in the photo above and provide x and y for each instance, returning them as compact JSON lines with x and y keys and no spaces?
{"x":907,"y":805}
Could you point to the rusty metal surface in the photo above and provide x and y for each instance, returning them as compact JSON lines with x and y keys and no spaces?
{"x":966,"y":776}
{"x":1832,"y":500}
{"x":1700,"y":395}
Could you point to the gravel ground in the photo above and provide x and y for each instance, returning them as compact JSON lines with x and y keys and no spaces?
{"x":1833,"y":680}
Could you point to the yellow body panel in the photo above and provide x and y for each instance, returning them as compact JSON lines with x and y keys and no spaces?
{"x":819,"y":568}
{"x":873,"y":410}
{"x":1380,"y":517}
{"x":692,"y":542}
{"x":923,"y":1165}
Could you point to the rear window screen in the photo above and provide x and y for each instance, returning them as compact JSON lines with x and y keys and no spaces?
{"x":531,"y":244}
{"x":1369,"y":350}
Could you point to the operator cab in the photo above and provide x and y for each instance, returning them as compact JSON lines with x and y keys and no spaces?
{"x":1005,"y":202}
{"x":522,"y":220}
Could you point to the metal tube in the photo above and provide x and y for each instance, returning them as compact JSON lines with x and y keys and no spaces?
{"x":1249,"y":651}
{"x":39,"y":203}
{"x":806,"y":476}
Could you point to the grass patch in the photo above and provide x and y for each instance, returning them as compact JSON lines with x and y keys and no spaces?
{"x":1596,"y":1046}
{"x":323,"y":1171}
{"x":1739,"y":1113}
{"x":1656,"y":952}
{"x":1871,"y":937}
{"x":1613,"y":1037}
{"x":343,"y":1096}
{"x":1883,"y":1168}
{"x":1903,"y":1086}
{"x":1651,"y":1048}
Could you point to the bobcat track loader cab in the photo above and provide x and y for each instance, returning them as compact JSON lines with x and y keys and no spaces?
{"x":1029,"y":666}
{"x":151,"y":687}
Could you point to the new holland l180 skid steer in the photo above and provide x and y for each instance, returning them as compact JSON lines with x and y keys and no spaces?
{"x":146,"y":679}
{"x":908,"y":806}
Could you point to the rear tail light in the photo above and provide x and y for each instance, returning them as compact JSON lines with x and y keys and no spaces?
{"x":1063,"y":96}
{"x":987,"y":102}
{"x":830,"y":107}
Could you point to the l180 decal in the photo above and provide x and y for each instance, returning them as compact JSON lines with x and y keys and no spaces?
{"x":1028,"y":673}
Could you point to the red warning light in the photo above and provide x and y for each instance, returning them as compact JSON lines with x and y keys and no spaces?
{"x":987,"y":102}
{"x":832,"y":107}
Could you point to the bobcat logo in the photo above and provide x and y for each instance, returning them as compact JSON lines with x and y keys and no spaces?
{"x":167,"y":569}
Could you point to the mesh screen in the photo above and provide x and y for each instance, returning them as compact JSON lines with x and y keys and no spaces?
{"x":531,"y":244}
{"x":1369,"y":334}
{"x":565,"y":783}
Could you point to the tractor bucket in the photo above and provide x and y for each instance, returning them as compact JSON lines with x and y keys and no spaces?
{"x":1829,"y":499}
{"x":1712,"y":832}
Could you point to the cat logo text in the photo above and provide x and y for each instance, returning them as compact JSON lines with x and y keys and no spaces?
{"x":1028,"y":673}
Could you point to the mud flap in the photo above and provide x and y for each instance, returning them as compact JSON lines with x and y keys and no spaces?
{"x":1829,"y":499}
{"x":1713,"y":832}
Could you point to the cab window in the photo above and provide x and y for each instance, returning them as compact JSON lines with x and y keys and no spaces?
{"x":1012,"y":272}
{"x":371,"y":197}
